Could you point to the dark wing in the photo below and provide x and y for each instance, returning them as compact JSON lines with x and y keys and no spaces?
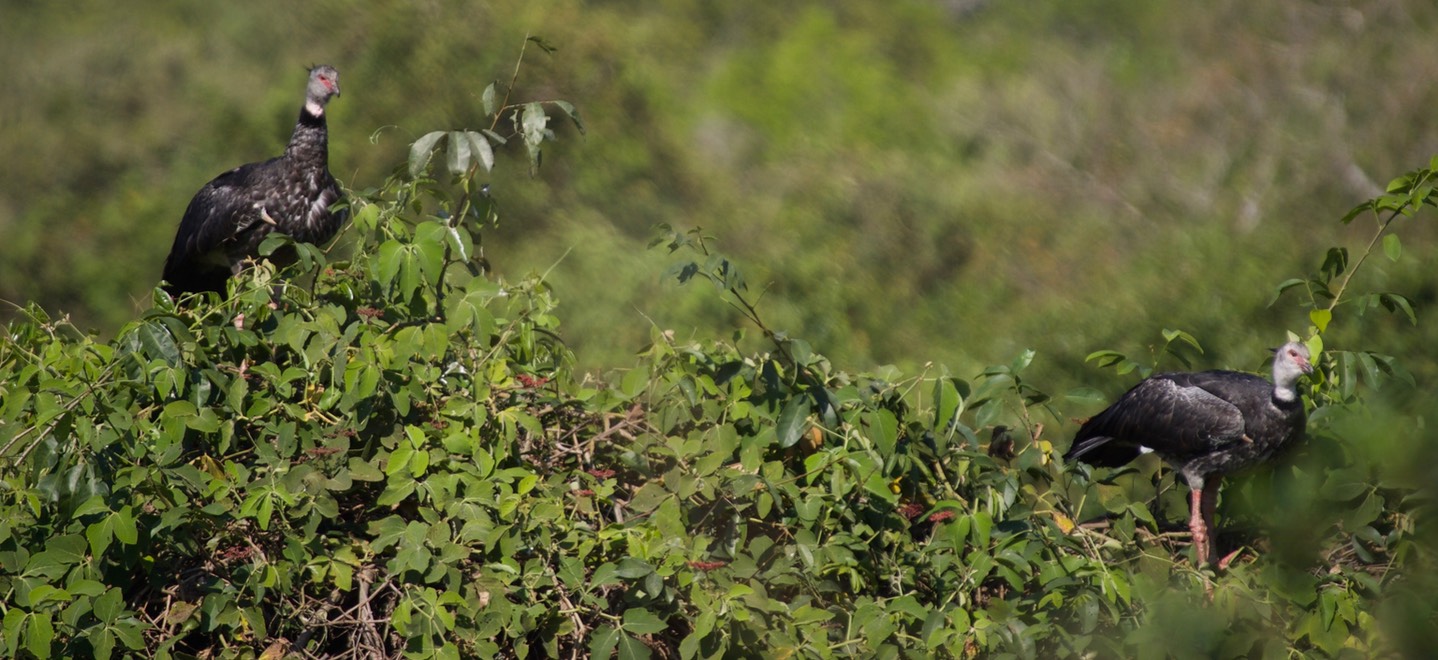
{"x":1102,"y":451}
{"x":1170,"y":414}
{"x":216,"y":215}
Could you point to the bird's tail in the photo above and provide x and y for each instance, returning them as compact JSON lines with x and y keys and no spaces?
{"x":1102,"y":451}
{"x":1084,"y":446}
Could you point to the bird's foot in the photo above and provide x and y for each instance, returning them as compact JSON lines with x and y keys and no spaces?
{"x":1228,"y":559}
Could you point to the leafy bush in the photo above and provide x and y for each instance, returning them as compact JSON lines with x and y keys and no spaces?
{"x":392,"y":455}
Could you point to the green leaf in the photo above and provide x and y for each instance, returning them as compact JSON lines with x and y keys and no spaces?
{"x":391,"y":259}
{"x":99,"y":534}
{"x":533,"y":127}
{"x":689,"y":647}
{"x":632,"y":568}
{"x":1357,"y":211}
{"x":110,"y":605}
{"x":399,"y":460}
{"x":266,"y":511}
{"x":458,"y":152}
{"x":603,"y":640}
{"x":125,"y":529}
{"x":792,"y":421}
{"x":1420,"y":195}
{"x":158,"y":343}
{"x":1105,"y":358}
{"x":60,"y":553}
{"x":884,"y":431}
{"x":1320,"y":318}
{"x":204,"y":421}
{"x":808,"y":614}
{"x":362,"y":470}
{"x":1022,"y":361}
{"x":429,"y":240}
{"x":632,"y":649}
{"x":494,"y":137}
{"x":983,"y":526}
{"x":15,"y":619}
{"x":1181,"y":336}
{"x":876,"y":483}
{"x":131,"y":633}
{"x":988,"y":412}
{"x":1335,"y":262}
{"x":948,"y":405}
{"x":103,"y":643}
{"x":1327,"y":607}
{"x":1284,"y":286}
{"x":91,"y":506}
{"x":368,"y":217}
{"x":1392,"y":247}
{"x":1396,"y":303}
{"x":459,"y":443}
{"x":39,"y":634}
{"x":488,"y":99}
{"x":84,"y":587}
{"x":420,"y":152}
{"x":419,"y":463}
{"x":634,"y":383}
{"x":44,"y":592}
{"x":1366,"y":512}
{"x":572,"y":113}
{"x":638,"y":621}
{"x":274,"y":241}
{"x":479,"y":145}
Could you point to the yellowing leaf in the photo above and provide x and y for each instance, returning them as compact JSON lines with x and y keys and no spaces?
{"x":210,"y":466}
{"x":276,"y":650}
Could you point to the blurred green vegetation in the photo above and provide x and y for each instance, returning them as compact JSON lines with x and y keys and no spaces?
{"x":913,"y":181}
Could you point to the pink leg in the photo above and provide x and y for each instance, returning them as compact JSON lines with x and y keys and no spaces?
{"x":1203,"y":503}
{"x":1197,"y":526}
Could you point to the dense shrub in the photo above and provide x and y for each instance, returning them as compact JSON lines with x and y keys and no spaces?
{"x":391,"y":455}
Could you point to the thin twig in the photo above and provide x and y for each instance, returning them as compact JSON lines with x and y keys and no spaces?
{"x":1348,"y":276}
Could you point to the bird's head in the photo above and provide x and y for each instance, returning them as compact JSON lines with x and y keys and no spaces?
{"x":1290,"y":361}
{"x":324,"y":84}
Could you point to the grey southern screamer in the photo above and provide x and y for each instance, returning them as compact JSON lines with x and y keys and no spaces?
{"x":1205,"y":424}
{"x":291,"y":193}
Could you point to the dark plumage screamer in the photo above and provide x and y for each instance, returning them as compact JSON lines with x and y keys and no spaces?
{"x":292,"y":193}
{"x":1205,"y":425}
